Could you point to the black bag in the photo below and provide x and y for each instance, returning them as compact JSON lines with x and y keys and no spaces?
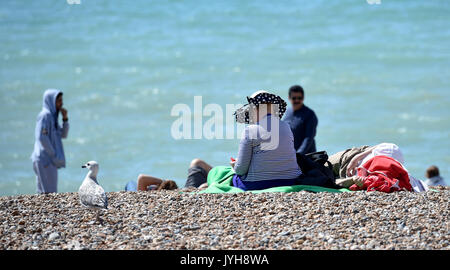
{"x":318,"y":157}
{"x":311,"y":163}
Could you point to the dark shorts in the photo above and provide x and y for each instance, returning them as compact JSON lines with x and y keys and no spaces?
{"x":196,"y":177}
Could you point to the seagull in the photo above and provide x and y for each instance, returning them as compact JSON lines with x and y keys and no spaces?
{"x":92,"y":195}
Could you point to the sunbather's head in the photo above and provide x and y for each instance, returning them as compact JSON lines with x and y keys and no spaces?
{"x":167,"y":185}
{"x":433,"y":171}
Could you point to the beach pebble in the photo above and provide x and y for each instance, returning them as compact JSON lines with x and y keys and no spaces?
{"x":53,"y":236}
{"x":170,"y":220}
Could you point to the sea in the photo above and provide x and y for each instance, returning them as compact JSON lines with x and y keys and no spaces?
{"x":373,"y":71}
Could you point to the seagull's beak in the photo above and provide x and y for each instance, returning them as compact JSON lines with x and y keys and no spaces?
{"x":84,"y":166}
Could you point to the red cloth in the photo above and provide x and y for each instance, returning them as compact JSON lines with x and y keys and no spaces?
{"x":383,"y":174}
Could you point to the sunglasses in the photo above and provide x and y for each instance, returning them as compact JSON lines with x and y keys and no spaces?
{"x":296,"y":98}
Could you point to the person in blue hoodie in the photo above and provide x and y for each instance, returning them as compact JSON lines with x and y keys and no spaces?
{"x":48,"y":155}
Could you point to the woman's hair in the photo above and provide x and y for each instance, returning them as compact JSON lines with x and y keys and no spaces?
{"x":168,"y":185}
{"x":432,"y":172}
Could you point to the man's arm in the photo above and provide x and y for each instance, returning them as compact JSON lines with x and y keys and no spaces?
{"x":310,"y":133}
{"x":353,"y":164}
{"x":144,"y":181}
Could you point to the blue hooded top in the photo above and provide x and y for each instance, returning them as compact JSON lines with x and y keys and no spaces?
{"x":48,"y":147}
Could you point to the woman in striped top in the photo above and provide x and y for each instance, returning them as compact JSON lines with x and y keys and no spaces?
{"x":266,"y":157}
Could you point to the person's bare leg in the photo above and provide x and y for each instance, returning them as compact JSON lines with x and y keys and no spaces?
{"x":146,"y":180}
{"x":194,"y":179}
{"x":345,"y":182}
{"x":203,"y":186}
{"x":202,"y":164}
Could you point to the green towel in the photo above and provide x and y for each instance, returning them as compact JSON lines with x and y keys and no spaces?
{"x":220,"y":180}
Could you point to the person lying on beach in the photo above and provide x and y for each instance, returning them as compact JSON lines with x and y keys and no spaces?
{"x":378,"y":167}
{"x":147,"y":182}
{"x":197,"y":176}
{"x":433,"y":177}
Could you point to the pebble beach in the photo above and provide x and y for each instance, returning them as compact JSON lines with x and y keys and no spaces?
{"x":174,"y":220}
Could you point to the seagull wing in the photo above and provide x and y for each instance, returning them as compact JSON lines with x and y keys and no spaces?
{"x":93,"y":195}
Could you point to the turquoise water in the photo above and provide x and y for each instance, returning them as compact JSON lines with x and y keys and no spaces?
{"x":372,"y":73}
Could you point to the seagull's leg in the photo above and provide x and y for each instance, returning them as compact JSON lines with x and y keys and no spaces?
{"x":90,"y":216}
{"x":98,"y":218}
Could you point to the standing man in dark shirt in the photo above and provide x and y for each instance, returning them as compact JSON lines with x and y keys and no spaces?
{"x":302,"y":120}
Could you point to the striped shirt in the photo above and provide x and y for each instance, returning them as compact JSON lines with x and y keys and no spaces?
{"x":266,"y":152}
